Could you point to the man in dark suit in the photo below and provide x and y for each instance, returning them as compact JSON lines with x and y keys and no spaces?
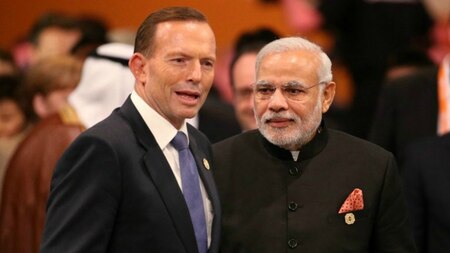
{"x":426,"y":176}
{"x":118,"y":187}
{"x":216,"y":119}
{"x":407,"y":111}
{"x":295,"y":186}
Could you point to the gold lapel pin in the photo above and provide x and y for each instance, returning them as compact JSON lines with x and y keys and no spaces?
{"x":206,"y":163}
{"x":349,"y":218}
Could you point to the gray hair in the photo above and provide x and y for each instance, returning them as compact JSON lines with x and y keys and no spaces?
{"x":324,"y":73}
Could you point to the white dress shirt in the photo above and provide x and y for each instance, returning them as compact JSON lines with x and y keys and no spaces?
{"x":164,"y":132}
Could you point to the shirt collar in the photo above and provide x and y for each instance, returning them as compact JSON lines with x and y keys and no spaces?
{"x":160,"y":127}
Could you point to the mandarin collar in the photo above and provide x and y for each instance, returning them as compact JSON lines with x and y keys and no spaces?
{"x":311,"y":149}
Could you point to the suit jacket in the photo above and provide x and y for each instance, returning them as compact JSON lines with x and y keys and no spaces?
{"x":407,"y":111}
{"x":272,"y":203}
{"x":216,"y":120}
{"x":367,"y":34}
{"x":427,"y":174}
{"x":113,"y":191}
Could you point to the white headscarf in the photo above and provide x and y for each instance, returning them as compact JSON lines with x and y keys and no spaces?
{"x":106,"y":81}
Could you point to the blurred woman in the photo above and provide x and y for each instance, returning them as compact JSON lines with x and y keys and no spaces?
{"x":13,"y":120}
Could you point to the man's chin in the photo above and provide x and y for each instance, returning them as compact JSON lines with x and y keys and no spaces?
{"x":189,"y":116}
{"x":274,"y":133}
{"x":188,"y":113}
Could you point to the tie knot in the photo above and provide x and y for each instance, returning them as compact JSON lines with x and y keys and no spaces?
{"x":179,"y":142}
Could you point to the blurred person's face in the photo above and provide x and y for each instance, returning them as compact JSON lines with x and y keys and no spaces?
{"x":52,"y":102}
{"x":12,"y":118}
{"x":290,"y":115}
{"x":175,"y":79}
{"x":244,"y":76}
{"x":55,"y":41}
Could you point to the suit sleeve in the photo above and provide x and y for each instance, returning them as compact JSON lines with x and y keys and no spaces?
{"x":392,"y":229}
{"x":414,"y":195}
{"x":84,"y":199}
{"x":382,"y":129}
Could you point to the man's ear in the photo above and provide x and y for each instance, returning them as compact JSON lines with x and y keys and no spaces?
{"x":40,"y":106}
{"x":328,"y":95}
{"x":137,"y":65}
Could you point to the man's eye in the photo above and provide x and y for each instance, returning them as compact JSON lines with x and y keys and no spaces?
{"x":208,"y":64}
{"x":179,"y":60}
{"x":294,"y":91}
{"x":265,"y":90}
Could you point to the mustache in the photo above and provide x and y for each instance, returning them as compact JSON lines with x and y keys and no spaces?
{"x":273,"y":115}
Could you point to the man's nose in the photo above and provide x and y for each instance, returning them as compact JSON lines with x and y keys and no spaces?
{"x":195,"y":72}
{"x":277,"y":102}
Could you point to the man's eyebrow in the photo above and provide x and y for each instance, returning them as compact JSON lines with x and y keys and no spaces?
{"x":294,"y":83}
{"x":263,"y":82}
{"x":177,"y":53}
{"x":209,"y":58}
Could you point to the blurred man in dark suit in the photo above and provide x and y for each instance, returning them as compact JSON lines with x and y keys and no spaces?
{"x":427,"y":184}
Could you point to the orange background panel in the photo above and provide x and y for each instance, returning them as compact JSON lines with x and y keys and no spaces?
{"x":228,"y":18}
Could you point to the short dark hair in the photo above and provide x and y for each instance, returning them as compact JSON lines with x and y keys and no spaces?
{"x":409,"y":57}
{"x":94,"y":33}
{"x":11,"y":88}
{"x":250,"y":42}
{"x":6,"y":56}
{"x":51,"y":20}
{"x":144,"y":42}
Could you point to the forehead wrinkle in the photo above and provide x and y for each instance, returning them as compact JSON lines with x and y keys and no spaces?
{"x":165,"y":33}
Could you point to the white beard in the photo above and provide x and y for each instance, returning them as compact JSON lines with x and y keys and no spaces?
{"x":295,"y":136}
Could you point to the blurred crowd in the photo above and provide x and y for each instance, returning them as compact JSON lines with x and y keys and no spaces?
{"x":389,"y":63}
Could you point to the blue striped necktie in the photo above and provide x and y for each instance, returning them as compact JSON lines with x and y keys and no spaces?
{"x":191,"y":190}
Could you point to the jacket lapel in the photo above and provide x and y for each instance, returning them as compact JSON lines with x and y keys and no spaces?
{"x":162,"y":177}
{"x":170,"y":192}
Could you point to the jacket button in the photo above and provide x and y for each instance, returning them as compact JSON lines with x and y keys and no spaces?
{"x":292,"y":243}
{"x":293,"y":171}
{"x":292,"y":206}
